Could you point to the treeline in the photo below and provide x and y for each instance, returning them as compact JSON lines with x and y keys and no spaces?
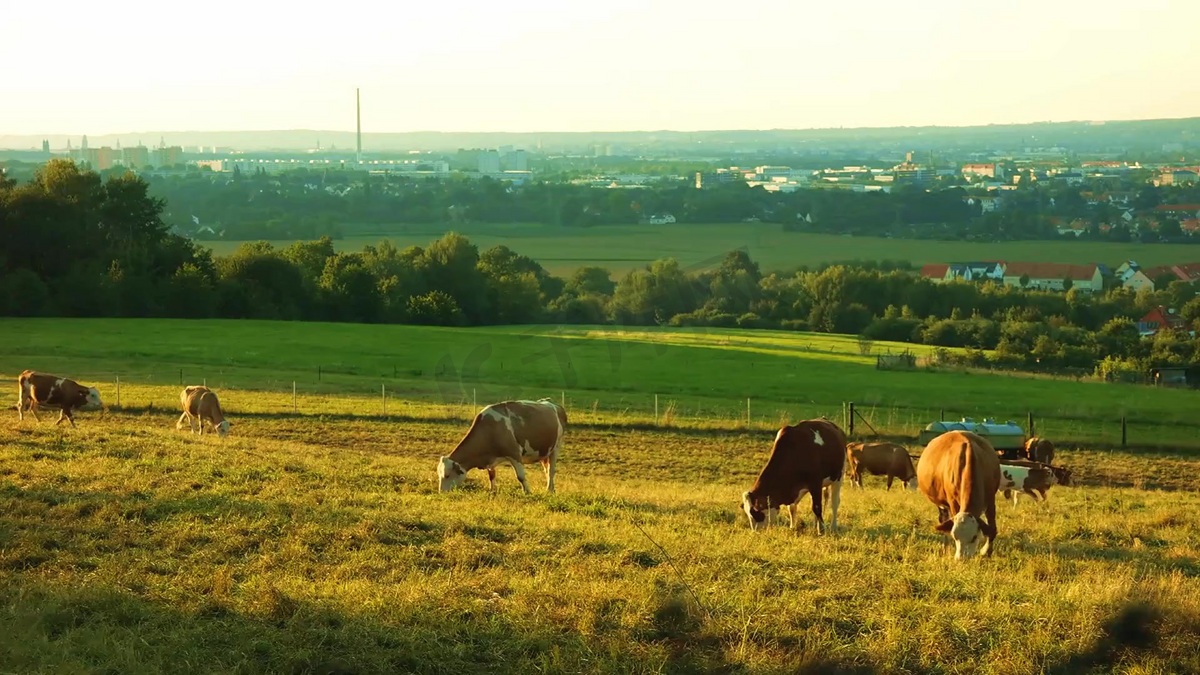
{"x":310,"y":203}
{"x":79,"y":246}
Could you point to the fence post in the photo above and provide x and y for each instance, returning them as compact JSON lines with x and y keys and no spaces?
{"x":1124,"y":432}
{"x":1029,"y":423}
{"x":656,"y":409}
{"x":474,"y":401}
{"x":747,"y":411}
{"x":118,"y":391}
{"x":181,"y":377}
{"x":942,"y":415}
{"x":295,"y":407}
{"x":851,"y":425}
{"x":206,"y":381}
{"x":562,"y":398}
{"x":383,"y":397}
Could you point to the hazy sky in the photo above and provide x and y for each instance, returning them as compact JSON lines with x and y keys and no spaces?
{"x":575,"y":65}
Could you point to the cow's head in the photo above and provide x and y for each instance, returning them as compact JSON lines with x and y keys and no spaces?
{"x":1061,"y":474}
{"x":222,"y":428}
{"x":89,"y":399}
{"x":450,"y":474}
{"x":755,"y":512}
{"x":968,"y":532}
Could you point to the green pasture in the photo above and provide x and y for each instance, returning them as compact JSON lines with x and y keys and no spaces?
{"x":620,"y":248}
{"x":677,"y":377}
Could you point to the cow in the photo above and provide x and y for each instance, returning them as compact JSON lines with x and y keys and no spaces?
{"x":881,"y":459}
{"x":510,"y":432}
{"x":960,"y":473}
{"x":34,"y":389}
{"x":1062,"y":475}
{"x":1032,"y":480}
{"x":1039,"y":450}
{"x":805,"y":458}
{"x":199,"y":402}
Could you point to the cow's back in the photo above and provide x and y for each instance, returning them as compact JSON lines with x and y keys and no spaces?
{"x":807,"y":449}
{"x":535,"y":426}
{"x":942,"y":470}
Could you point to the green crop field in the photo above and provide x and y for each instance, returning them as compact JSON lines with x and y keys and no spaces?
{"x":313,"y":538}
{"x":621,"y":248}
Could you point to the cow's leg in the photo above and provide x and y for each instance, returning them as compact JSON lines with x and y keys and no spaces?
{"x":520,"y":469}
{"x":889,"y":485}
{"x":990,"y":545}
{"x":179,"y":424}
{"x":835,"y":498}
{"x":491,"y":471}
{"x":814,"y":491}
{"x":793,"y":511}
{"x":33,"y":406}
{"x":549,"y":464}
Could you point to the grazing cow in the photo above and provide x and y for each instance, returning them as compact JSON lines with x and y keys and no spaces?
{"x":1062,"y":475}
{"x":881,"y":459}
{"x":201,"y":403}
{"x":34,"y":389}
{"x":1032,"y":480}
{"x":510,"y":432}
{"x":959,"y":472}
{"x":805,"y":458}
{"x":1039,"y":450}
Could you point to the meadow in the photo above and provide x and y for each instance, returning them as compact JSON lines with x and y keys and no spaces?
{"x":620,"y":248}
{"x":313,"y":538}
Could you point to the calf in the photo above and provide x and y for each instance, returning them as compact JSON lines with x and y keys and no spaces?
{"x":1032,"y":480}
{"x":199,"y":402}
{"x":1039,"y":450}
{"x":511,"y":432}
{"x":805,"y":458}
{"x":1062,"y":475}
{"x":959,"y":472}
{"x":34,"y":389}
{"x":881,"y":459}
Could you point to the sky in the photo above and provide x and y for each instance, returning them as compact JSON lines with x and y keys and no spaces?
{"x":607,"y":65}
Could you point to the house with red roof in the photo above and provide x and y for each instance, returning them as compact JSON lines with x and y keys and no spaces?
{"x":935,"y":272}
{"x":1054,"y":276}
{"x":1165,"y":274}
{"x":1159,"y":318}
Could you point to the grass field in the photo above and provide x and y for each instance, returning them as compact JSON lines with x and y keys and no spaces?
{"x":620,"y":248}
{"x":701,"y":377}
{"x":319,"y":544}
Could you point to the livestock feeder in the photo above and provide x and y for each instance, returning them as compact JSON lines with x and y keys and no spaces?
{"x":1008,"y":438}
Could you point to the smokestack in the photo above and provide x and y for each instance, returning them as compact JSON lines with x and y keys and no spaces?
{"x":358,"y":121}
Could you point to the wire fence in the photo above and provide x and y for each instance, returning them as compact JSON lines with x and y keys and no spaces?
{"x":329,"y":392}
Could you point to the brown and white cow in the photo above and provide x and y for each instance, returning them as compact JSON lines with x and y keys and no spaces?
{"x":1039,"y":450}
{"x":34,"y":389}
{"x":199,"y":402}
{"x":881,"y":459}
{"x":805,"y":458}
{"x":1034,"y":481}
{"x":511,"y":432}
{"x":959,"y":472}
{"x":1062,"y":475}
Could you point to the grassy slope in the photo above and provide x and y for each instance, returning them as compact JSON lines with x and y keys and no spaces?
{"x":623,"y":247}
{"x":323,"y":547}
{"x":703,"y":377}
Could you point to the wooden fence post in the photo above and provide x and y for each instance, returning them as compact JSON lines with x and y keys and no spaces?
{"x":181,"y":377}
{"x":851,"y":417}
{"x":118,"y":391}
{"x":656,"y":409}
{"x":1124,"y":432}
{"x":747,"y":411}
{"x":1029,"y":423}
{"x":383,"y":397}
{"x":318,"y":373}
{"x":295,"y":407}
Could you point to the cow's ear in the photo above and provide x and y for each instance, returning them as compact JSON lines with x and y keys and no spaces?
{"x":944,"y":526}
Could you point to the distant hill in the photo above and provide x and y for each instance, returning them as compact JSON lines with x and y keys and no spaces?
{"x":1113,"y":136}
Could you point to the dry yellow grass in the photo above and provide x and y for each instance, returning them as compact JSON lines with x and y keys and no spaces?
{"x":321,"y":545}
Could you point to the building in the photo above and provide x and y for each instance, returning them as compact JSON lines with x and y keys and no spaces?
{"x":135,"y":157}
{"x":936,"y":272}
{"x":1187,"y":176}
{"x":1138,"y":281}
{"x":991,"y":170}
{"x":489,"y":161}
{"x":168,"y":155}
{"x":1178,"y":210}
{"x":977,"y":271}
{"x":99,"y":158}
{"x":1054,"y":276}
{"x":1165,"y":274}
{"x":1159,"y":318}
